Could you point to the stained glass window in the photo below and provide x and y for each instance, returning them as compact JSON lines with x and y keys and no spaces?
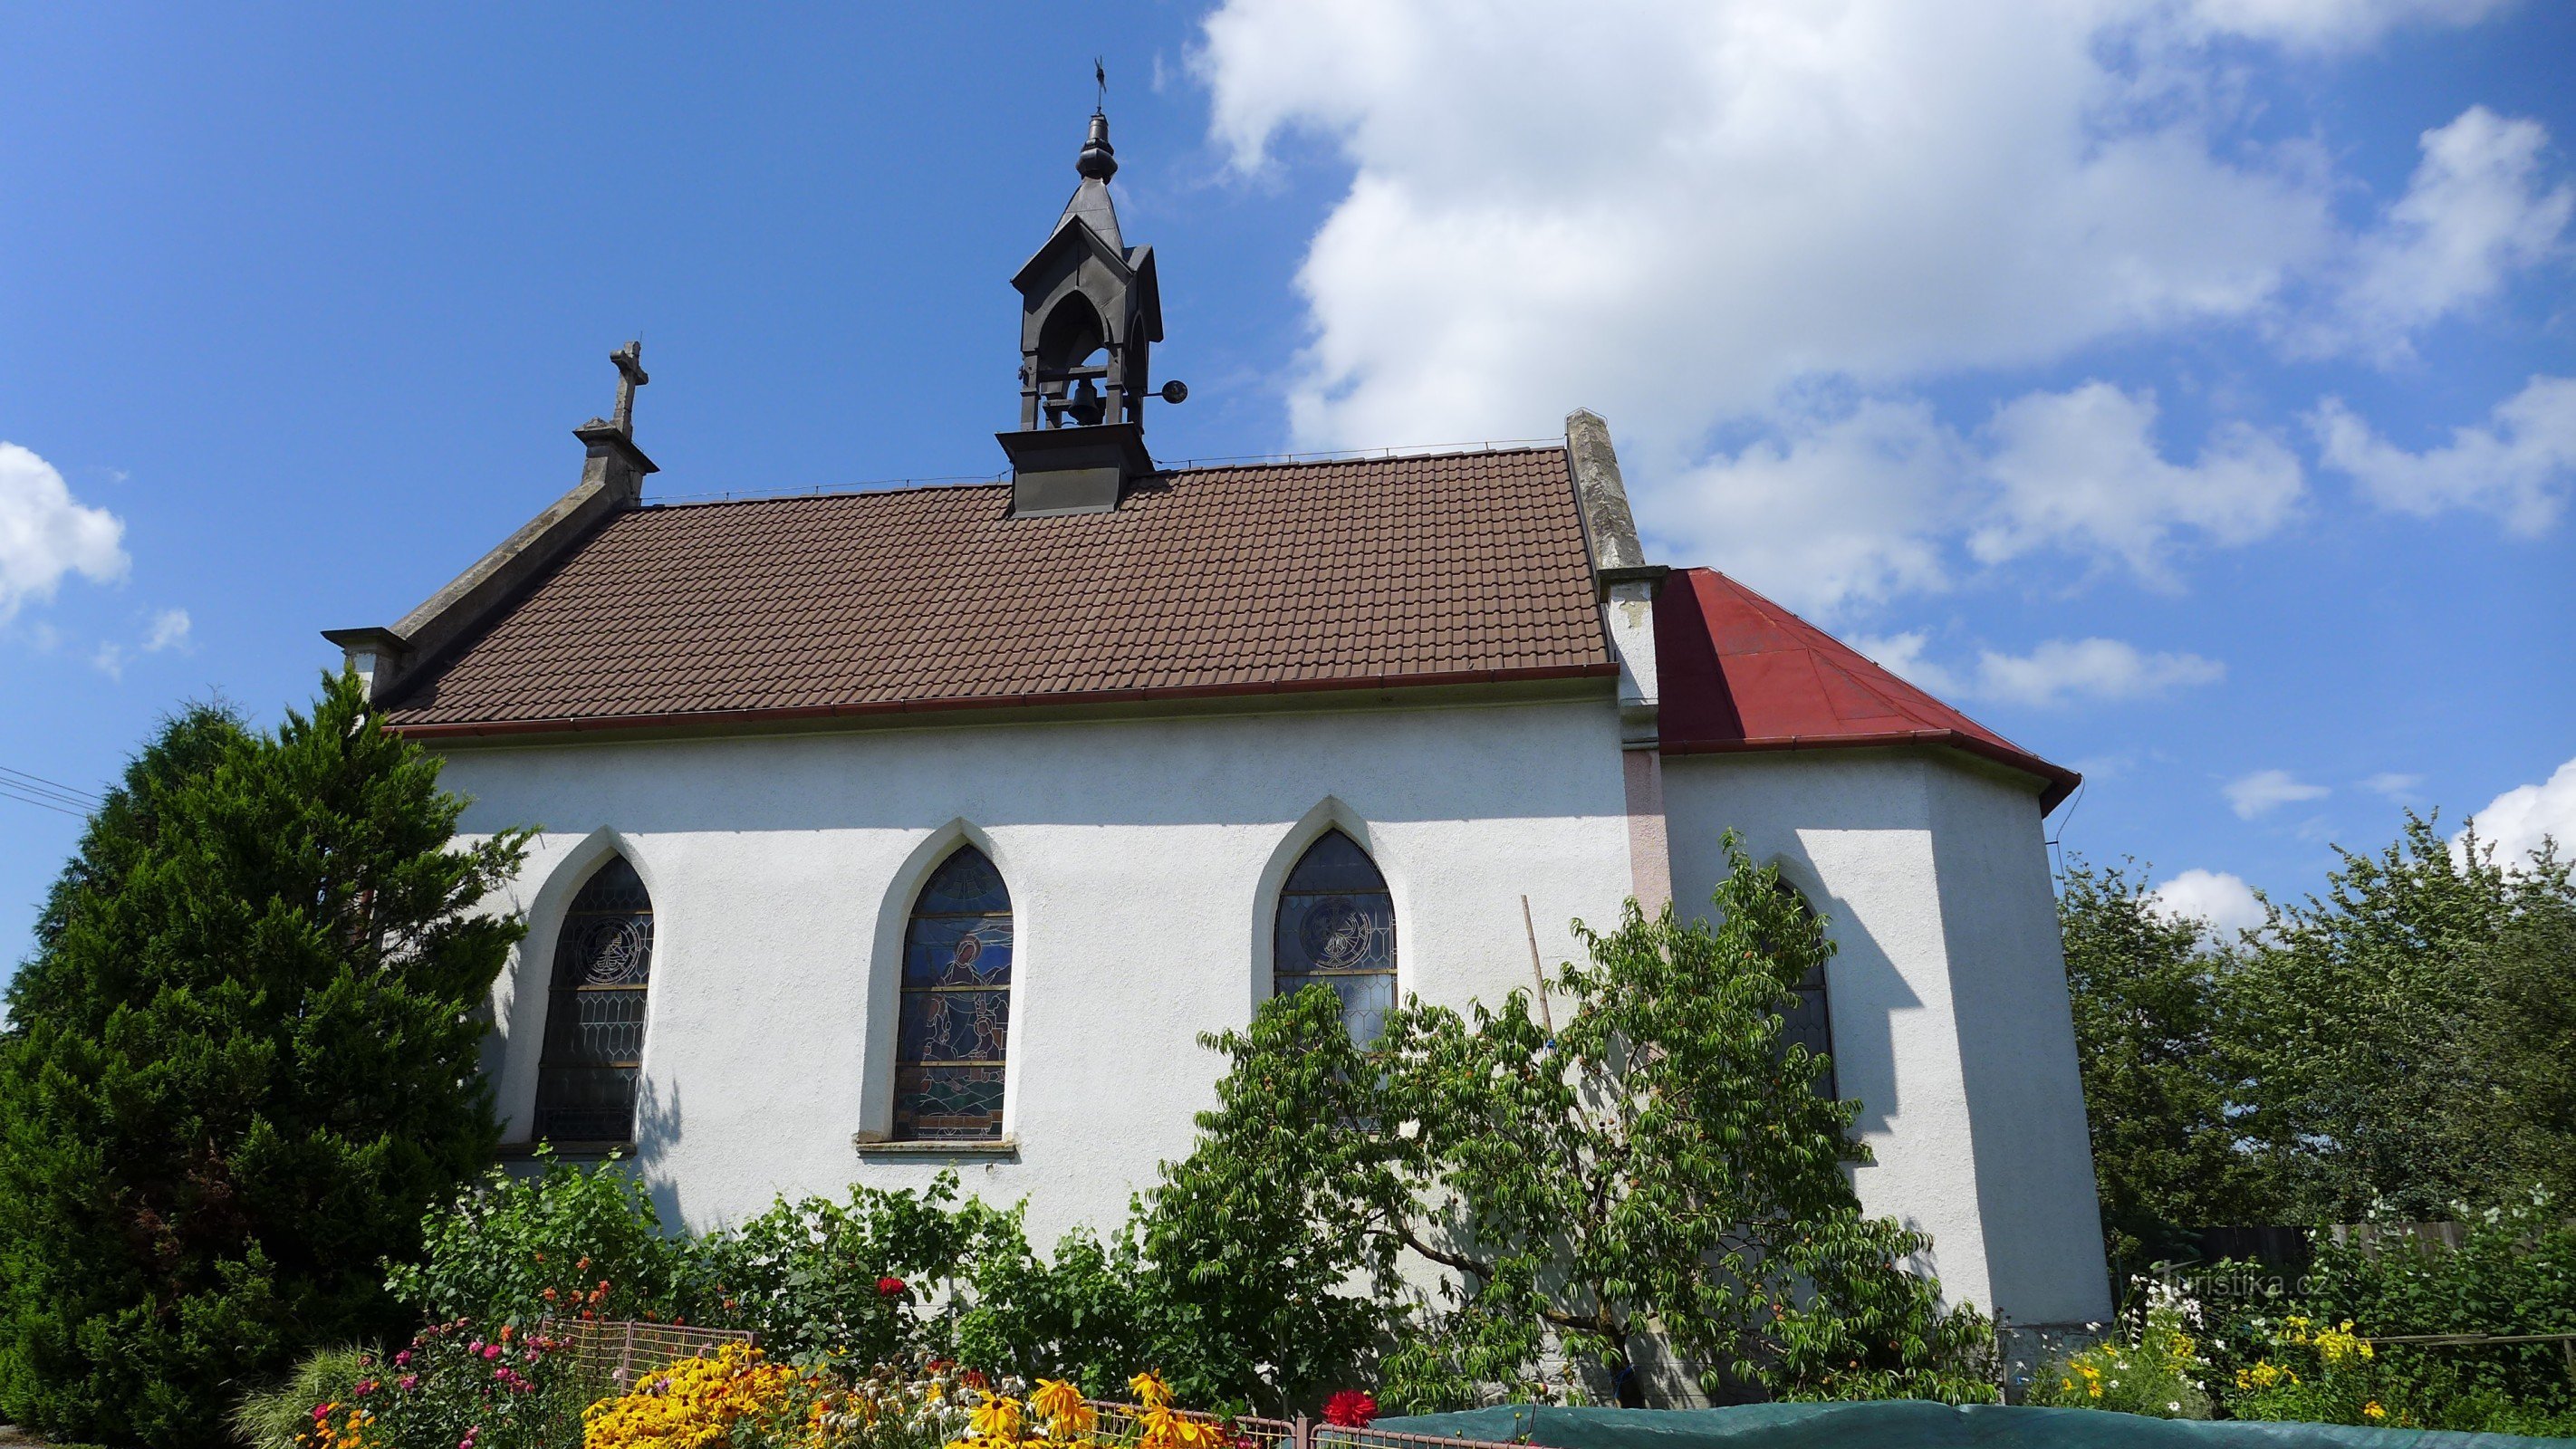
{"x":1809,"y":1022}
{"x":595,"y":1016}
{"x":956,"y":1020}
{"x":1337,"y":927}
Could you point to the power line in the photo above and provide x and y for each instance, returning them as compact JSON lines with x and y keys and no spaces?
{"x":41,"y":804}
{"x":56,"y":789}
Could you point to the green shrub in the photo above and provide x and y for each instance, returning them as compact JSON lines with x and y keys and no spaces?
{"x":2513,"y":1273}
{"x":880,"y":1277}
{"x":564,"y":1243}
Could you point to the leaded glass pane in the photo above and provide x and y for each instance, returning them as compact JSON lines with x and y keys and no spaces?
{"x":954,"y":1029}
{"x":956,"y":1026}
{"x":965,"y":884}
{"x":947,"y":1104}
{"x":1336,"y":926}
{"x":958,"y":951}
{"x":595,"y":1014}
{"x":1807,"y":1020}
{"x":1366,"y":999}
{"x":1336,"y":933}
{"x":1335,"y":863}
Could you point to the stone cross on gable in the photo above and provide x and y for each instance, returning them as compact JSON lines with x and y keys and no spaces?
{"x":630,"y":376}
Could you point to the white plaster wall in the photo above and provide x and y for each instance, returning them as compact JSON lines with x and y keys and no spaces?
{"x":1947,"y":994}
{"x":2035,"y":1189}
{"x":1143,"y":858}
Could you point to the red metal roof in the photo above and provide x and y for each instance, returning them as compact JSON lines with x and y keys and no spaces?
{"x":1738,"y":672}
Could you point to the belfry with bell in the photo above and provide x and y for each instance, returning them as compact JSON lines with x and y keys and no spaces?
{"x":1090,"y":313}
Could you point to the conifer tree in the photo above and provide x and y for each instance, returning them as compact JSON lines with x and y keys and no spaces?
{"x":241,"y":1063}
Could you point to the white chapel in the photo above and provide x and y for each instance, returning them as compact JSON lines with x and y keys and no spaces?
{"x":888,"y":832}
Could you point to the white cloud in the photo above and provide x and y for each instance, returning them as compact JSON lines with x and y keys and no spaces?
{"x":109,"y":659}
{"x":1842,"y":508}
{"x":2332,"y":24}
{"x":1677,"y":208}
{"x":2393,"y":785}
{"x":2223,"y":901}
{"x":2476,"y":210}
{"x":1701,"y":218}
{"x":2516,"y":821}
{"x":2268,"y":790}
{"x":1902,"y":655}
{"x":45,"y":533}
{"x":1845,"y":509}
{"x":2061,"y":671}
{"x":2518,"y":467}
{"x":2081,"y":470}
{"x":169,"y":631}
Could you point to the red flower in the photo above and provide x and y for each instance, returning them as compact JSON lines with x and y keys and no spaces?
{"x":1350,"y":1409}
{"x":889,"y":1287}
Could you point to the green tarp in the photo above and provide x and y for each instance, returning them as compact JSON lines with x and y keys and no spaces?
{"x":1909,"y":1425}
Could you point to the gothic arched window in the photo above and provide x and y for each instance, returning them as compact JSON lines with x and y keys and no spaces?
{"x":1808,"y":1021}
{"x":1337,"y":927}
{"x":956,"y":1017}
{"x":595,"y":1016}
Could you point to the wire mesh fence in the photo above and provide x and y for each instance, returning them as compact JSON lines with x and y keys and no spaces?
{"x":1125,"y":1422}
{"x":610,"y":1354}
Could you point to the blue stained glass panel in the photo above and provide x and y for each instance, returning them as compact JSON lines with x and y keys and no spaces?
{"x":954,"y":1028}
{"x":947,"y":1104}
{"x":964,"y":884}
{"x":958,"y":951}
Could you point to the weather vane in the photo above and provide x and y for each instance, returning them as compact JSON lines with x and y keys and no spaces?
{"x":1100,"y":78}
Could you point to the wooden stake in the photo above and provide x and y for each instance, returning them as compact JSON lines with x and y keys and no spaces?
{"x":1538,"y":969}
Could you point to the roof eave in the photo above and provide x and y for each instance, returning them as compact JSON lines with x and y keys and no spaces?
{"x":878,"y":709}
{"x":2056,"y":781}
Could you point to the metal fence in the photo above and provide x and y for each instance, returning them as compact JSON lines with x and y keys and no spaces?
{"x":611,"y":1353}
{"x":1124,"y":1421}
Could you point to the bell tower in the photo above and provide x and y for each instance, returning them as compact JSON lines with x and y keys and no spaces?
{"x":1090,"y":314}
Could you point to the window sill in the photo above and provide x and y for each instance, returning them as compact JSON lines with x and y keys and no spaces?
{"x":1001,"y":1147}
{"x":570,"y":1151}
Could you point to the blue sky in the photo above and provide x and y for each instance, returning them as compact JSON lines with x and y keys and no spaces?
{"x":2180,"y":385}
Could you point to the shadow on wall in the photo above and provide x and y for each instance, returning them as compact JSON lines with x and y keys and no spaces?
{"x":657,"y":1127}
{"x":1863,"y":990}
{"x":1413,"y":765}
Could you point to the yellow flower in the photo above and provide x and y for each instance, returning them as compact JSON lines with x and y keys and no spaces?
{"x":998,"y":1417}
{"x":1150,"y":1390}
{"x":2373,"y":1412}
{"x":1060,"y":1405}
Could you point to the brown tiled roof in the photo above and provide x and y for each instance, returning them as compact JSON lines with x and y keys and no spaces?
{"x":1450,"y":568}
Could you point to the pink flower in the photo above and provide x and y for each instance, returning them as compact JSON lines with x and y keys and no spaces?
{"x":410,"y":1382}
{"x":491,"y":1351}
{"x":402,"y":1358}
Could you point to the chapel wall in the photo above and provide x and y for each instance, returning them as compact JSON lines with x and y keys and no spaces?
{"x":1143,"y":859}
{"x":1946,"y":995}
